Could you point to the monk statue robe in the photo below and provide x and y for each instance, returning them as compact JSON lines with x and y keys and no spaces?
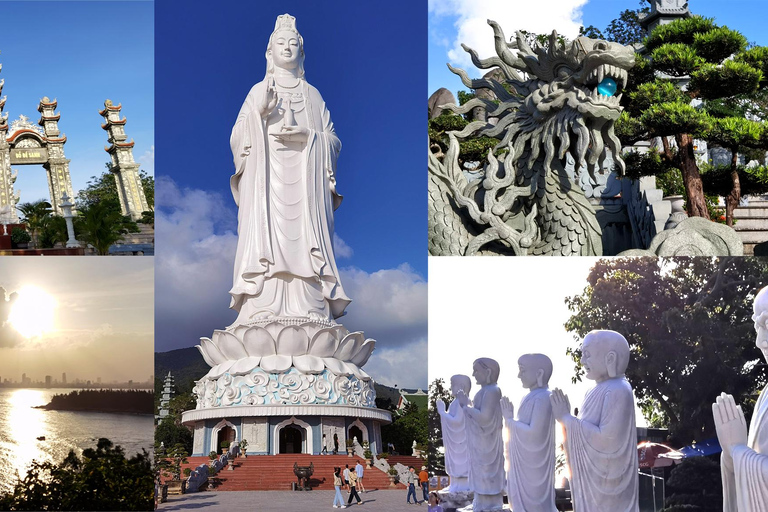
{"x":285,"y":152}
{"x":601,"y":444}
{"x":744,"y":461}
{"x":455,"y":442}
{"x":531,"y":440}
{"x":484,"y":430}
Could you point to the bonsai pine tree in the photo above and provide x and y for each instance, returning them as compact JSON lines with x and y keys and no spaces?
{"x":697,"y":83}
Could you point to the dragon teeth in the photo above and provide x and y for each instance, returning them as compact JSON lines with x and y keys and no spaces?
{"x":600,"y":73}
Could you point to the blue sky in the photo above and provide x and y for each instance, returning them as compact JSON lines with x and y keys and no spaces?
{"x":449,"y":18}
{"x":368,"y":61}
{"x":80,"y":53}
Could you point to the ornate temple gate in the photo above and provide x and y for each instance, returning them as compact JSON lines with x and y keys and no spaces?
{"x":24,"y":143}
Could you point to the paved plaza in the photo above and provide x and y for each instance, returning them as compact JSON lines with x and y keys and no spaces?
{"x":278,"y":501}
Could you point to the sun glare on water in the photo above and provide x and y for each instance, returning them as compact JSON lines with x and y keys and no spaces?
{"x":32,"y":312}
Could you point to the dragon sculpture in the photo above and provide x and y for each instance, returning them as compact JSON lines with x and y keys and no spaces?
{"x":565,"y":102}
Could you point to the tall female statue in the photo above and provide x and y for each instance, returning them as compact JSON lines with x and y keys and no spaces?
{"x":285,"y":152}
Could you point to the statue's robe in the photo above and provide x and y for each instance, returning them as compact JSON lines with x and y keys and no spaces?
{"x":601,"y":447}
{"x":486,"y":446}
{"x":286,"y":194}
{"x":453,"y":422}
{"x":531,"y":455}
{"x":745,"y":485}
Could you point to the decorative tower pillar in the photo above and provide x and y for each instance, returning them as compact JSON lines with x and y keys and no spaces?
{"x":57,"y":166}
{"x":7,"y":198}
{"x":66,"y":205}
{"x":165,"y":400}
{"x":126,"y":171}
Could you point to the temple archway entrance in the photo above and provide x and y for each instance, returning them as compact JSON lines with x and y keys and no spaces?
{"x":226,"y":435}
{"x":355,"y":432}
{"x":291,"y":439}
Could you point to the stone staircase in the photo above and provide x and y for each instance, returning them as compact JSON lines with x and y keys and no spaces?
{"x":145,"y":236}
{"x":752,"y":223}
{"x":275,"y":472}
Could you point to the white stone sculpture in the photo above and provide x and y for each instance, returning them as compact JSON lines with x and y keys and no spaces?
{"x":531,"y":440}
{"x":744,"y":461}
{"x":486,"y":447}
{"x":452,"y":421}
{"x":601,"y":444}
{"x":285,"y":345}
{"x":285,"y":152}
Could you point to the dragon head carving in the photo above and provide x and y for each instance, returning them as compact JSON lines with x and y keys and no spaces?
{"x":566,"y":101}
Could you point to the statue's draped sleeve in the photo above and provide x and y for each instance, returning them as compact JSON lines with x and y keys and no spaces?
{"x":745,"y":483}
{"x":531,"y":455}
{"x":486,"y":474}
{"x":453,"y":424}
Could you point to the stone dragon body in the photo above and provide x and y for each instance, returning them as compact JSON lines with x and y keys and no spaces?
{"x":525,"y":201}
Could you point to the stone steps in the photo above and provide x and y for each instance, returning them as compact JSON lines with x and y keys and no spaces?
{"x":275,"y":472}
{"x":752,"y":223}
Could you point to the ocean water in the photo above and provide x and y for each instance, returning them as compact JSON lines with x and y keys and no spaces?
{"x":21,"y":425}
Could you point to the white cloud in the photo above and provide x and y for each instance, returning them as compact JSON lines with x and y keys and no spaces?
{"x":147,"y":160}
{"x":340,"y":247}
{"x":405,"y":367}
{"x":472,"y":29}
{"x":193,"y":267}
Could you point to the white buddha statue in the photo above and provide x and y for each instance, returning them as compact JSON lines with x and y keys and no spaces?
{"x":601,"y":444}
{"x":285,"y":150}
{"x":486,"y":446}
{"x":744,"y":461}
{"x":455,"y":442}
{"x":531,"y":440}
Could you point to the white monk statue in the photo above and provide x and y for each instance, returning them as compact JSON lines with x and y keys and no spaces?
{"x":285,"y":152}
{"x":531,"y":440}
{"x":601,"y":444}
{"x":486,"y":447}
{"x":452,"y":421}
{"x":744,"y":461}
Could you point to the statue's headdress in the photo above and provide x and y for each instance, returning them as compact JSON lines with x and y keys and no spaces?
{"x":285,"y":22}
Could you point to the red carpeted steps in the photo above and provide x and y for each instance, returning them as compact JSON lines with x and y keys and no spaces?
{"x":407,"y":461}
{"x":275,"y":472}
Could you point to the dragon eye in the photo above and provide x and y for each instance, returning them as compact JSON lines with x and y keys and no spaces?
{"x":607,"y":87}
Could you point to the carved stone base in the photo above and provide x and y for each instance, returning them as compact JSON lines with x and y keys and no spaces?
{"x":454,"y":500}
{"x":289,"y":388}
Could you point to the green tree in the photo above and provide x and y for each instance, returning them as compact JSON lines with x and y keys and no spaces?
{"x":695,"y":485}
{"x":436,"y":456}
{"x":408,"y":425}
{"x":101,"y":479}
{"x":101,"y":224}
{"x":625,"y":29}
{"x":36,"y":216}
{"x":655,"y":106}
{"x":104,"y":188}
{"x":688,"y":323}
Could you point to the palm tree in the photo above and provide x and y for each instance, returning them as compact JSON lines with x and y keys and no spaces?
{"x":101,"y":225}
{"x":35,"y":215}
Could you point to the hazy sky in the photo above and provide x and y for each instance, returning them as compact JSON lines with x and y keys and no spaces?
{"x":80,"y":53}
{"x":103,"y":324}
{"x":368,"y":61}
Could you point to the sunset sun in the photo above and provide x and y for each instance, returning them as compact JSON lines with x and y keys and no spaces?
{"x":32,"y":312}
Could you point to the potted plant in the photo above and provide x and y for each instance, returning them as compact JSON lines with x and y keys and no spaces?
{"x":392,"y":476}
{"x":368,"y":455}
{"x":384,"y":455}
{"x":187,"y":472}
{"x":224,"y":447}
{"x":350,"y":447}
{"x":20,"y":238}
{"x":244,"y":447}
{"x":212,"y":456}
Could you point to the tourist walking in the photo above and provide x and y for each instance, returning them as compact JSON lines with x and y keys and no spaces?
{"x":337,"y":485}
{"x":424,"y":482}
{"x":410,"y":481}
{"x":346,"y":475}
{"x":335,"y":444}
{"x":325,"y":448}
{"x":352,"y":488}
{"x":359,"y":472}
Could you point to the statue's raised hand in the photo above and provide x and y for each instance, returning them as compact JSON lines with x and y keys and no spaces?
{"x":441,"y":409}
{"x":730,"y":424}
{"x":507,"y":409}
{"x":561,"y":406}
{"x":269,"y":100}
{"x":462,"y":398}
